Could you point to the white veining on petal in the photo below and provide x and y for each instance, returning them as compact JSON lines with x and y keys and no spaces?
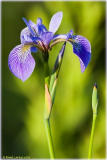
{"x":55,"y":22}
{"x":20,"y":61}
{"x":84,"y":42}
{"x":82,"y":66}
{"x":25,"y":36}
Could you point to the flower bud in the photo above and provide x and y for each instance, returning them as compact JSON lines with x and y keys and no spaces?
{"x":94,"y":99}
{"x":59,"y":58}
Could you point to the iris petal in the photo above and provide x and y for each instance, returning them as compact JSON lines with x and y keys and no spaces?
{"x":28,"y":25}
{"x":82,"y":48}
{"x":41,"y":29}
{"x":38,"y":28}
{"x":20,"y":61}
{"x":60,"y":36}
{"x":39,"y":21}
{"x":34,"y":27}
{"x":46,"y":37}
{"x":55,"y":22}
{"x":25,"y":36}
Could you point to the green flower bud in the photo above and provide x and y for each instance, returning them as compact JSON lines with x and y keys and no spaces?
{"x":94,"y":99}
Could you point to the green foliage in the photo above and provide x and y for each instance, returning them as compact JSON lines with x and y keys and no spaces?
{"x":23,"y":132}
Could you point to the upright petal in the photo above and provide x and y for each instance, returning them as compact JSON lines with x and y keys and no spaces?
{"x":34,"y":27}
{"x":41,"y":29}
{"x":29,"y":26}
{"x":55,"y":22}
{"x":20,"y":61}
{"x":82,"y":48}
{"x":38,"y":28}
{"x":39,"y":21}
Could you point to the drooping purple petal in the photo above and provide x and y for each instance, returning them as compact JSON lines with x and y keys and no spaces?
{"x":82,"y":48}
{"x":20,"y":61}
{"x":55,"y":22}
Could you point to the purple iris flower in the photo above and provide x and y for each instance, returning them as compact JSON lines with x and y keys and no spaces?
{"x":36,"y":36}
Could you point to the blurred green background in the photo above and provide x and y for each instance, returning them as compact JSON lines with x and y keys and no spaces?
{"x":23,"y":133}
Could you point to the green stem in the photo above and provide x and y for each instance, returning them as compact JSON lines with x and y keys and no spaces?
{"x":92,"y":136}
{"x":47,"y":106}
{"x":46,"y":69}
{"x":49,"y":138}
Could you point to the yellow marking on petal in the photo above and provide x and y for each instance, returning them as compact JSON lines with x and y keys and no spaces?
{"x":25,"y":48}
